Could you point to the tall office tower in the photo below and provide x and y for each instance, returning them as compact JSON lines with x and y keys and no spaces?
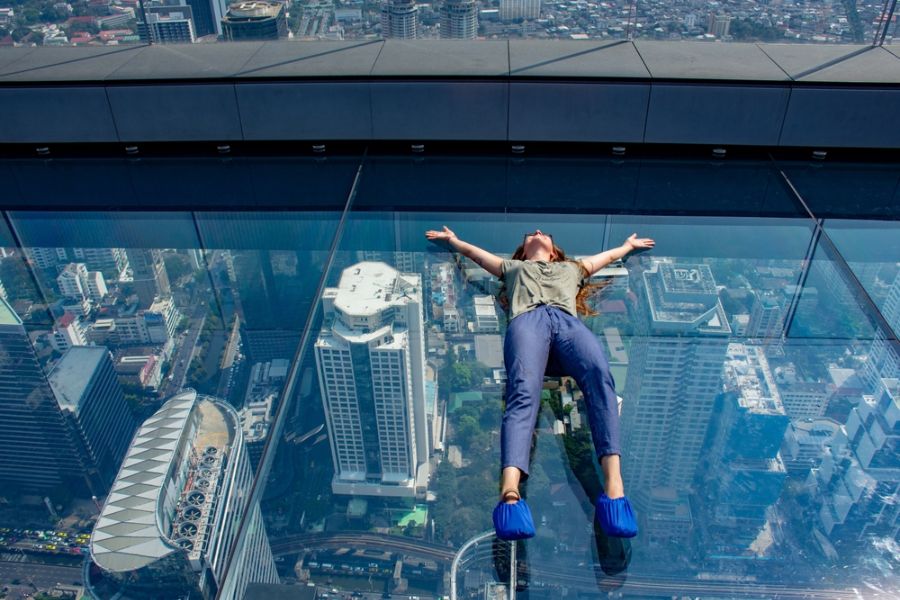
{"x":744,"y":474}
{"x":254,"y":20}
{"x":858,"y":481}
{"x":173,"y":515}
{"x":41,"y":452}
{"x":89,"y":394}
{"x":399,"y":19}
{"x":260,"y":294}
{"x":766,"y":317}
{"x":459,"y":19}
{"x":511,"y":10}
{"x":370,"y":357}
{"x":202,"y":15}
{"x":674,"y":376}
{"x":148,"y":274}
{"x":884,"y":355}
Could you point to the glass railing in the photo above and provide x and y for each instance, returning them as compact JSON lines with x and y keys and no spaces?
{"x":120,"y":22}
{"x":215,"y":398}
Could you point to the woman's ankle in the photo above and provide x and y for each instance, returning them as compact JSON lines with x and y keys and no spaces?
{"x":614,"y":488}
{"x":510,"y":496}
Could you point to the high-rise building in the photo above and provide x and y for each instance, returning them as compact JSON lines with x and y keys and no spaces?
{"x":111,"y":261}
{"x":254,"y":20}
{"x":203,"y":16}
{"x":96,"y":286}
{"x":174,"y":513}
{"x":744,"y":474}
{"x":370,"y":357}
{"x":68,"y":331}
{"x":399,"y":19}
{"x":884,"y":355}
{"x":766,"y":317}
{"x":718,"y":24}
{"x":45,"y":258}
{"x":459,"y":19}
{"x":88,"y":392}
{"x":805,"y":443}
{"x":167,"y":26}
{"x":41,"y":450}
{"x":858,"y":482}
{"x":674,"y":376}
{"x":510,"y":10}
{"x":147,"y":274}
{"x":72,"y":281}
{"x":75,"y":281}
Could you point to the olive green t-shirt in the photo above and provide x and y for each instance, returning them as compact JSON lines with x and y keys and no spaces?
{"x":530,"y":283}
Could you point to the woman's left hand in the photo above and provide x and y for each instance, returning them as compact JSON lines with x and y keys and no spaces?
{"x":637,"y":243}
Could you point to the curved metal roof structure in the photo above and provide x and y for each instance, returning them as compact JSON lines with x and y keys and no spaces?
{"x":127,"y":535}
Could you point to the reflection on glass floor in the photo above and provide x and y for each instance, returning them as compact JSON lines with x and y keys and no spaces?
{"x":755,"y":356}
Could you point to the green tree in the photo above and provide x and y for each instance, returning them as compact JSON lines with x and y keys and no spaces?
{"x":467,"y":429}
{"x":176,"y":266}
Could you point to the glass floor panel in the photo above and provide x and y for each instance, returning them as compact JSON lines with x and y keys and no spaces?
{"x":301,"y":394}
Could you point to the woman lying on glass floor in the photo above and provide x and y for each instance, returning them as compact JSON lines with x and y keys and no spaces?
{"x":545,"y":291}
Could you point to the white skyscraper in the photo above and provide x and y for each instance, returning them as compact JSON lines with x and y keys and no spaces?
{"x":459,"y":19}
{"x":511,"y":10}
{"x":399,"y":19}
{"x":174,"y":512}
{"x":370,"y":357}
{"x":674,"y":376}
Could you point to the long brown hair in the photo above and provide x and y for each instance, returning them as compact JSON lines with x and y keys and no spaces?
{"x":559,"y":255}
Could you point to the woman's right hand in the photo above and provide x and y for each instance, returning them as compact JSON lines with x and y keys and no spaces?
{"x":445,"y":235}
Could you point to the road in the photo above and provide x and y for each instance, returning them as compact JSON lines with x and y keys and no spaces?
{"x":181,"y":359}
{"x":42,"y":576}
{"x":357,"y":540}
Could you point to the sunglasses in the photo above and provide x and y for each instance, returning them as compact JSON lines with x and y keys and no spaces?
{"x":527,"y":235}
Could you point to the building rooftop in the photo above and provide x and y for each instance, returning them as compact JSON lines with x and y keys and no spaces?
{"x":254,"y":9}
{"x":73,"y":372}
{"x":367,"y":288}
{"x":128,"y":534}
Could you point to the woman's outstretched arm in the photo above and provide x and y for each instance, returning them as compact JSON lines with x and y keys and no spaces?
{"x":598,"y":261}
{"x":484,"y":259}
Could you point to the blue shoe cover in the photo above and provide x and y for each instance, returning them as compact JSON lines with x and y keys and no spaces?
{"x":616,"y":517}
{"x":513,"y":521}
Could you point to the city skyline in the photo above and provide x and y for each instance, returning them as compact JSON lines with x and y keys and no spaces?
{"x":192,"y":21}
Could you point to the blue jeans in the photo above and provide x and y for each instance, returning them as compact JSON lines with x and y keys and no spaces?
{"x":550,"y":340}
